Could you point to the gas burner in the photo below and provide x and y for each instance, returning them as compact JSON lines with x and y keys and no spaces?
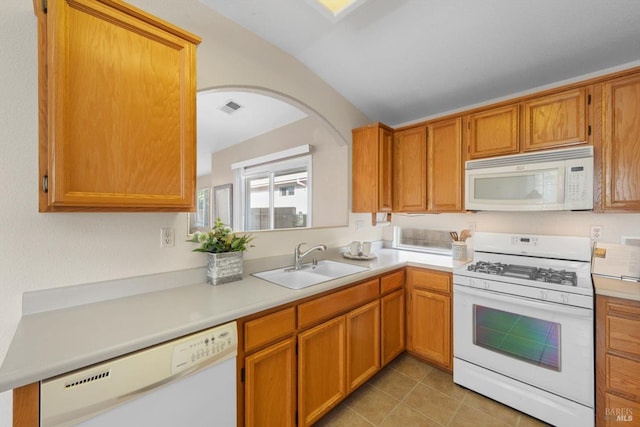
{"x":560,"y":277}
{"x":488,"y":267}
{"x":550,"y":275}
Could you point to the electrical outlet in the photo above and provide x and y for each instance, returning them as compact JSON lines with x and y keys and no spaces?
{"x":596,"y":232}
{"x":167,"y":237}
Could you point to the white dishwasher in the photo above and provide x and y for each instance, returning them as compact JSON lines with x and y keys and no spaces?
{"x":189,"y":381}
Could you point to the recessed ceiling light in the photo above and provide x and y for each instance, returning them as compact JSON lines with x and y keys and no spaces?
{"x":335,"y":9}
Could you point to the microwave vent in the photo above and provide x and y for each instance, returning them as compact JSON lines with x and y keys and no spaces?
{"x":529,"y":158}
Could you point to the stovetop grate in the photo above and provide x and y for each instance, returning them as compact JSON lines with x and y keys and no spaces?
{"x":550,"y":275}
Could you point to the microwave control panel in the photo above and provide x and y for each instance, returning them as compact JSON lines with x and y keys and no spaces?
{"x":575,"y":184}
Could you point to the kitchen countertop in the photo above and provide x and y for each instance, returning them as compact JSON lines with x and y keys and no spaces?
{"x":53,"y":342}
{"x":614,"y":287}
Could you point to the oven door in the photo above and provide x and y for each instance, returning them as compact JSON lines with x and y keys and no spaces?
{"x":545,"y":345}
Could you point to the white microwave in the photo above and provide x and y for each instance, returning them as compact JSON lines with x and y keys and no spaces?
{"x":551,"y":180}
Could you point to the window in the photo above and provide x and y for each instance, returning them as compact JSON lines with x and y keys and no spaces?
{"x":201,"y":219}
{"x":276,"y":195}
{"x":422,"y":240}
{"x":288,"y":190}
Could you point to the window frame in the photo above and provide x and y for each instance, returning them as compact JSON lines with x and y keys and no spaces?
{"x":270,"y":169}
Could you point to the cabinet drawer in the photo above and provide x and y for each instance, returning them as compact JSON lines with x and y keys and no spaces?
{"x":437,"y":281}
{"x":622,"y":375}
{"x":623,"y":335}
{"x":392,"y":281}
{"x":619,"y":411}
{"x":269,"y":328}
{"x":336,"y":303}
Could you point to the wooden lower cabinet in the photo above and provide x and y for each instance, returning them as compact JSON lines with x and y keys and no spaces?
{"x":363,"y":344}
{"x":429,"y":321}
{"x":617,"y":361}
{"x":321,"y":369}
{"x":392,"y":325}
{"x":271,"y":372}
{"x":335,"y":358}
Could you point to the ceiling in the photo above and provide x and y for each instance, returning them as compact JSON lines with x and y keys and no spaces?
{"x":403,"y":60}
{"x":219,"y":129}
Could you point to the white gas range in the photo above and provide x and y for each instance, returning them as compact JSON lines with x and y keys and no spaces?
{"x":523,"y":325}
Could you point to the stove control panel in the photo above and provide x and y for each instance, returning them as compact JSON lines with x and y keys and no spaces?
{"x":524,"y":241}
{"x":531,"y":292}
{"x":204,"y":347}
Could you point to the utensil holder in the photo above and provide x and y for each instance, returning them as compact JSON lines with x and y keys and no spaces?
{"x":459,"y":251}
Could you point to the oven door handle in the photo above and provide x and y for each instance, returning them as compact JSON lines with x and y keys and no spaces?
{"x":523,"y":301}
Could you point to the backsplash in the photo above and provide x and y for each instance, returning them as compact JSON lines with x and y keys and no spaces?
{"x":564,"y":223}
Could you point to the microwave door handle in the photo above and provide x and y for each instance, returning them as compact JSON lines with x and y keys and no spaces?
{"x":562,"y":184}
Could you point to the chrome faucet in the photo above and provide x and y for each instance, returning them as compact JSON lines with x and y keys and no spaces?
{"x":299,"y":255}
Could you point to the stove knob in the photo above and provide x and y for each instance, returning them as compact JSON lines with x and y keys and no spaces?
{"x":472,"y":282}
{"x":486,"y":284}
{"x":565,"y":298}
{"x":544,"y":295}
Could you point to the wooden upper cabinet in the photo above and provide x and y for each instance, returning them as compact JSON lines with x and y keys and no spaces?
{"x":555,"y":120}
{"x":371,"y":168}
{"x":494,"y":132}
{"x":621,"y":144}
{"x":117,"y":109}
{"x":410,"y":166}
{"x":444,"y":171}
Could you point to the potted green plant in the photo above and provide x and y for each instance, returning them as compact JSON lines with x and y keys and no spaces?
{"x":224,"y":250}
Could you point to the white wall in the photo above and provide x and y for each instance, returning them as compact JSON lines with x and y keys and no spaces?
{"x":40,"y":251}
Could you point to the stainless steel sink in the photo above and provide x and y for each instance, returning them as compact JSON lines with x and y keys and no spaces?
{"x":309,"y":274}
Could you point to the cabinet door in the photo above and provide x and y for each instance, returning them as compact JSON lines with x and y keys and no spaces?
{"x":444,"y":172}
{"x":410,"y":170}
{"x":385,"y":170}
{"x":321,"y":370}
{"x":621,"y":144}
{"x":117,"y":108}
{"x":270,"y":395}
{"x":371,"y":168}
{"x":393,"y":319}
{"x":429,"y":326}
{"x":363,"y":344}
{"x":494,"y":132}
{"x":617,"y":360}
{"x":555,"y":120}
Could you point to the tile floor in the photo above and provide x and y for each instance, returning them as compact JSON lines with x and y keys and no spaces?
{"x":409,"y":392}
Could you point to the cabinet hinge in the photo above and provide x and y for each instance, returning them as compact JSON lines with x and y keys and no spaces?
{"x":45,"y":183}
{"x":242,"y":375}
{"x":589,"y":130}
{"x":296,"y":349}
{"x":589,"y":99}
{"x":44,"y":6}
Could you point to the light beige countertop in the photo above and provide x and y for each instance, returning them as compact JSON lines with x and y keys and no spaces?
{"x":103,"y":324}
{"x":614,"y":287}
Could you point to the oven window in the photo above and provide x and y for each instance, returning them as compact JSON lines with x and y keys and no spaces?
{"x":525,"y":338}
